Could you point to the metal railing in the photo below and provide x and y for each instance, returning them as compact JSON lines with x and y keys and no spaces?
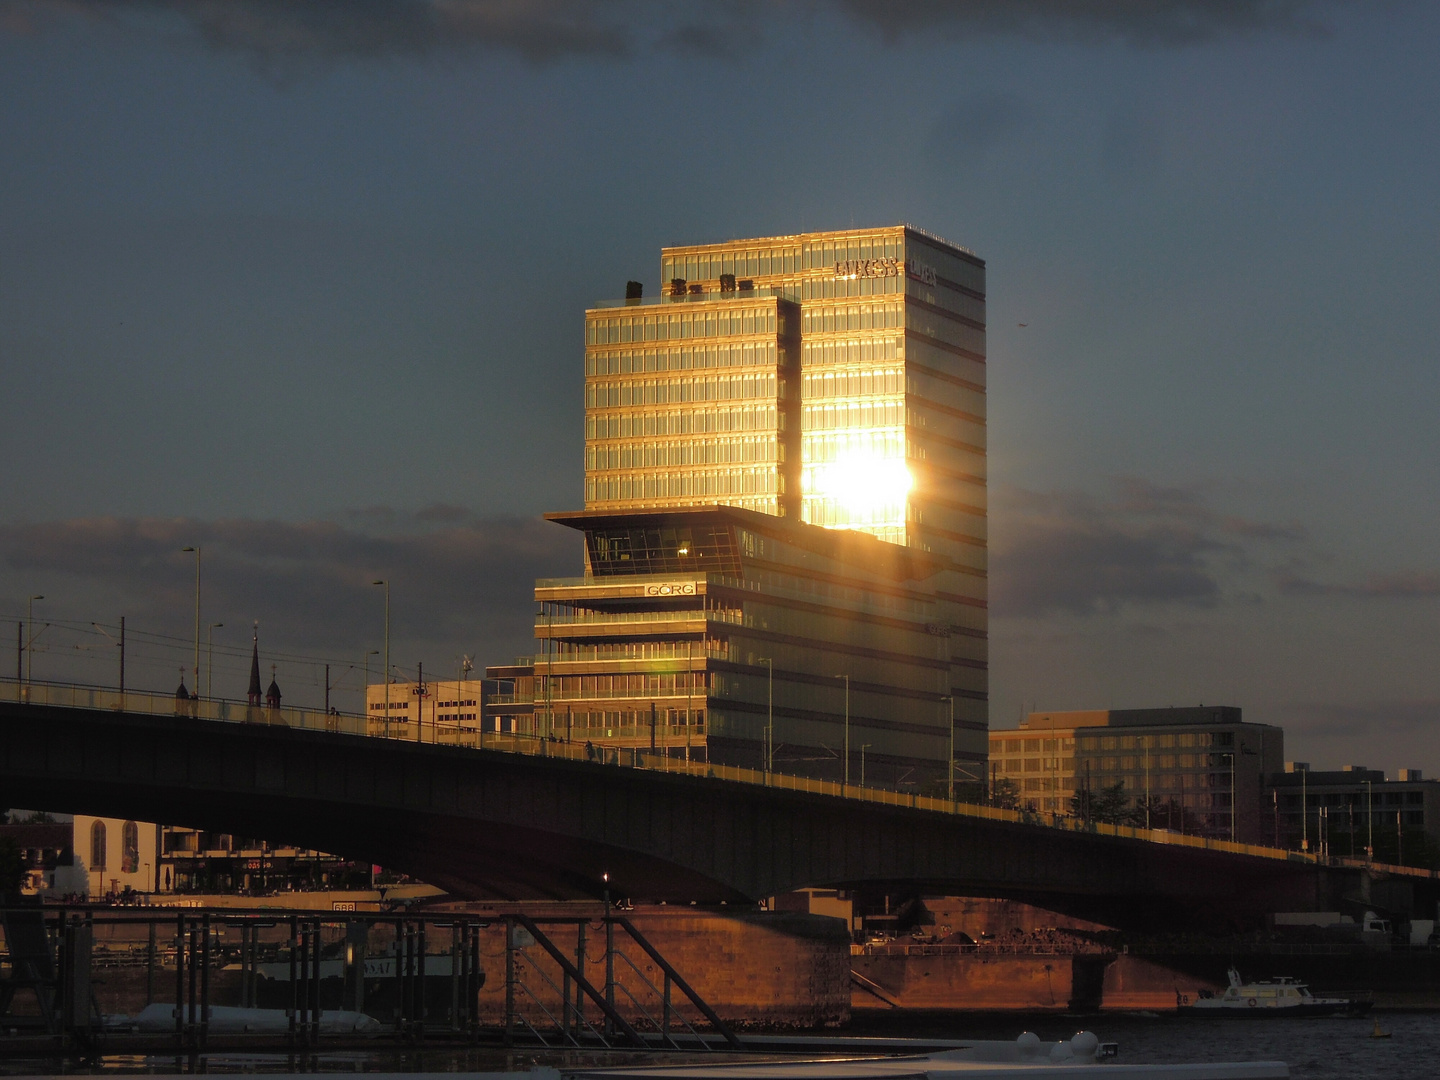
{"x":66,"y":695}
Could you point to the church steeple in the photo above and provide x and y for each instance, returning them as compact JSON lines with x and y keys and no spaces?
{"x":254,"y":693}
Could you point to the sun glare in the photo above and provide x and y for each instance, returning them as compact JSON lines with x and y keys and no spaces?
{"x":864,"y":488}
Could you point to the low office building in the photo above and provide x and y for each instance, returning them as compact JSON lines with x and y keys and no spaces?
{"x":738,"y":637}
{"x":1348,"y":811}
{"x":436,"y":710}
{"x":1197,"y":770}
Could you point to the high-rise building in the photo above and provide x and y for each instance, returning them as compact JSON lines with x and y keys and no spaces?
{"x":814,"y":384}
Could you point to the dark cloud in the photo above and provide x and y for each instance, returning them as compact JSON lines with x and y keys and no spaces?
{"x":1138,"y":22}
{"x":1066,"y":553}
{"x":1148,"y":544}
{"x":453,"y":587}
{"x":1397,"y":719}
{"x":1404,"y":584}
{"x":978,"y":126}
{"x":274,"y":32}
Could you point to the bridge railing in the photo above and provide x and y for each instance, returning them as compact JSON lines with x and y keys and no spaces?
{"x":663,"y":759}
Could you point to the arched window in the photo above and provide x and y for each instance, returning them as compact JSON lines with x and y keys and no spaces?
{"x":129,"y":848}
{"x":97,"y":845}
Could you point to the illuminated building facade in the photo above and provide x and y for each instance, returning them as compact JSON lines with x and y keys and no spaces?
{"x":732,"y":636}
{"x":833,"y":383}
{"x":1191,"y":765}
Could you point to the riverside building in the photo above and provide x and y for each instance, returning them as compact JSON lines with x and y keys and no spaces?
{"x":1189,"y":766}
{"x":784,"y":513}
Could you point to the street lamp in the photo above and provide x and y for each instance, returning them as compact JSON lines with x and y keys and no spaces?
{"x":950,"y":763}
{"x":769,"y":713}
{"x":1369,"y":822}
{"x":30,"y":632}
{"x":196,"y":550}
{"x":365,"y":691}
{"x":1231,"y":756}
{"x":210,"y":658}
{"x":846,"y":773}
{"x":863,"y":748}
{"x":386,"y":583}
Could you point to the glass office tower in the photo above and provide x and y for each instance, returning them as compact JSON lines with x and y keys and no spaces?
{"x":690,"y":400}
{"x":835,"y":381}
{"x":892,"y":376}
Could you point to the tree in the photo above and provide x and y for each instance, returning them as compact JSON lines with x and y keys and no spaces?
{"x":1110,"y":805}
{"x":1005,"y":794}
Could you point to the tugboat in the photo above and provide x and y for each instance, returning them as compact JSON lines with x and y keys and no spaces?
{"x":1280,"y":997}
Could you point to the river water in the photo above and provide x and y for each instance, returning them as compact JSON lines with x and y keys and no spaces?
{"x":1315,"y":1049}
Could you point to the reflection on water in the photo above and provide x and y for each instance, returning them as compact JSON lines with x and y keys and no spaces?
{"x":1323,"y":1049}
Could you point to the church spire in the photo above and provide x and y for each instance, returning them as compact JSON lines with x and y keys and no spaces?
{"x":254,"y":693}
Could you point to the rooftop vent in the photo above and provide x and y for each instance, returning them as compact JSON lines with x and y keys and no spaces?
{"x":634,"y":290}
{"x":677,"y":286}
{"x":746,"y":285}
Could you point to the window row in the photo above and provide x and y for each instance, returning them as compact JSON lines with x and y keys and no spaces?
{"x":692,"y":452}
{"x":608,"y":395}
{"x":869,"y":350}
{"x":780,"y":258}
{"x":636,"y":683}
{"x":623,"y":723}
{"x":852,"y":383}
{"x":841,"y":288}
{"x":753,"y":481}
{"x":1154,"y":742}
{"x":838,"y":318}
{"x":736,"y":354}
{"x":881,"y":444}
{"x":848,"y":414}
{"x":572,"y":652}
{"x":720,"y":321}
{"x":764,"y":417}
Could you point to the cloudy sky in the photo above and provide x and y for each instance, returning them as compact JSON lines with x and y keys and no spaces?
{"x":302,"y":281}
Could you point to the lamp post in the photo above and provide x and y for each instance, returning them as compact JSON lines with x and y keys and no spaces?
{"x":1369,"y":822}
{"x":1231,"y":756}
{"x":863,"y":748}
{"x":950,"y":762}
{"x":30,"y":633}
{"x":846,"y":773}
{"x":210,"y":658}
{"x":769,"y":714}
{"x":1146,"y":740}
{"x":365,"y":684}
{"x":196,"y":550}
{"x":386,"y":584}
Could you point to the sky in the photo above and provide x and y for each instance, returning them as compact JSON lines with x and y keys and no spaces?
{"x":303,"y":283}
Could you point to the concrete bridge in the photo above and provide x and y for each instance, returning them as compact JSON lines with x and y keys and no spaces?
{"x":493,"y":824}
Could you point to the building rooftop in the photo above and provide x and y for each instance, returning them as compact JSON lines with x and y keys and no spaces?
{"x":1199,"y":714}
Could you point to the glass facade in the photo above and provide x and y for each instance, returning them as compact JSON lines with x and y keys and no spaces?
{"x":833,"y":379}
{"x":724,"y":635}
{"x":892,"y":391}
{"x":693,"y":403}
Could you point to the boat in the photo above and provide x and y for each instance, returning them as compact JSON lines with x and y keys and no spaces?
{"x":1270,"y":998}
